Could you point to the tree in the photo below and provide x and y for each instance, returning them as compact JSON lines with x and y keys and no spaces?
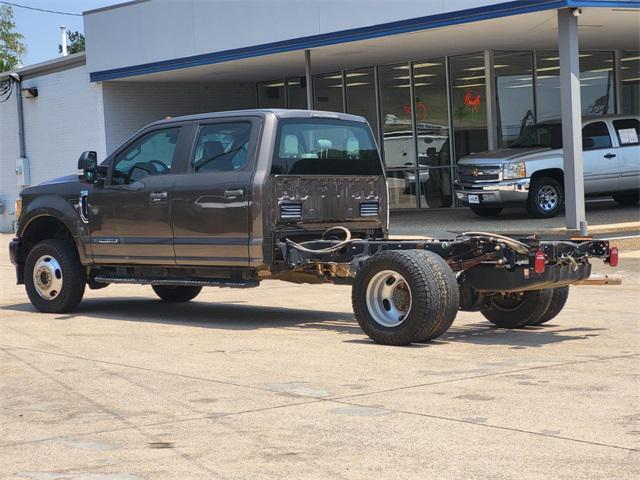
{"x":12,"y":48}
{"x":75,"y":42}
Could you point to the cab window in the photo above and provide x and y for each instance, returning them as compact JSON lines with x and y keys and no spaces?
{"x":595,"y":136}
{"x":221,"y":147}
{"x":151,"y":154}
{"x":628,"y":131}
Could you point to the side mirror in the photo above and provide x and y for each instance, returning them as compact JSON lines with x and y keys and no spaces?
{"x":588,"y":142}
{"x":88,"y":166}
{"x":431,"y":152}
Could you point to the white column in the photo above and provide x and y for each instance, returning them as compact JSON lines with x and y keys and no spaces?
{"x":491,"y":101}
{"x":571,"y":120}
{"x":307,"y":67}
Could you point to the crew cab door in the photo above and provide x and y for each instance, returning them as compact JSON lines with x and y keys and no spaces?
{"x":601,"y":162}
{"x":130,"y":216}
{"x":211,"y":201}
{"x":628,"y":135}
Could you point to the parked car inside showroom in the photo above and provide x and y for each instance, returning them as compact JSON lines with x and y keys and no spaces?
{"x":529,"y":173}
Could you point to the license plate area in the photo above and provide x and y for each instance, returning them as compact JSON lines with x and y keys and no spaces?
{"x":473,"y":199}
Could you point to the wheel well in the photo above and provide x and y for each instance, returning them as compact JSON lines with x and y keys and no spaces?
{"x":555,"y":173}
{"x":44,"y":228}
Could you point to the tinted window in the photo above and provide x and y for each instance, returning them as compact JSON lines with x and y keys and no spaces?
{"x":325,"y":147}
{"x":221,"y":147}
{"x":628,"y":131}
{"x":595,"y":135}
{"x":152,"y":154}
{"x":547,"y":135}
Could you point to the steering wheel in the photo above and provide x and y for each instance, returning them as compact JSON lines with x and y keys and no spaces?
{"x":152,"y":167}
{"x":160,"y":167}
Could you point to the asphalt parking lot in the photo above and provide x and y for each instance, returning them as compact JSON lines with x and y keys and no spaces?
{"x":279,"y":382}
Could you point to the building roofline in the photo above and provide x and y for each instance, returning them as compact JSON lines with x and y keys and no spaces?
{"x":55,"y":64}
{"x":112,"y":7}
{"x":499,"y":10}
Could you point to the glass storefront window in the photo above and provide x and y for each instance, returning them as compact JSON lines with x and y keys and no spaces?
{"x":327,"y":90}
{"x":432,"y":112}
{"x":514,"y":94}
{"x":361,"y":96}
{"x":397,"y":124}
{"x":402,"y":188}
{"x":297,"y":92}
{"x":596,"y":83}
{"x":469,"y":103}
{"x":630,"y":81}
{"x":271,"y":94}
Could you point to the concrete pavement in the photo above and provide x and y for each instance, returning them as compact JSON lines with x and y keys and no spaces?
{"x":279,"y":382}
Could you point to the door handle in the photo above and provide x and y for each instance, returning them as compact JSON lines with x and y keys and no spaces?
{"x":233,"y":194}
{"x":158,"y":196}
{"x":610,"y":155}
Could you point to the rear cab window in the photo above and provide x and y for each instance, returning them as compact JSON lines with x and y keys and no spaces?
{"x":628,"y":131}
{"x":325,"y":147}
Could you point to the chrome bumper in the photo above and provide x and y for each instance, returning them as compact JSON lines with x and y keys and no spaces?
{"x":509,"y":192}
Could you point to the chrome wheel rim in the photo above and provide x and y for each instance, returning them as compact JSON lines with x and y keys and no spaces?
{"x":388,"y":298}
{"x":47,"y":277}
{"x":548,"y":198}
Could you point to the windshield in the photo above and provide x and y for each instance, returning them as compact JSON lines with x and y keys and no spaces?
{"x":325,"y":147}
{"x":547,"y":135}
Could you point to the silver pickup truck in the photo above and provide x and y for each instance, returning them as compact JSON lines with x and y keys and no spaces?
{"x":530,"y":172}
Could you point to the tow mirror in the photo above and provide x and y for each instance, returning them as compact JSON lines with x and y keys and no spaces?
{"x":88,"y":166}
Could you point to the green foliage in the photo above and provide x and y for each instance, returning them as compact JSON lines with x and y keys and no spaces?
{"x":75,"y":43}
{"x":12,"y":48}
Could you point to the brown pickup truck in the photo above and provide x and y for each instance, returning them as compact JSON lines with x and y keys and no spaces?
{"x":231,"y":199}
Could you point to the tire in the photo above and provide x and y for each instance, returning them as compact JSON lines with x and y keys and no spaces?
{"x":558,"y":300}
{"x":546,"y":198}
{"x":486,"y":211}
{"x":448,"y":287}
{"x":416,"y":309}
{"x":515,"y":310}
{"x":54,"y":277}
{"x":176,"y":294}
{"x":626,"y":199}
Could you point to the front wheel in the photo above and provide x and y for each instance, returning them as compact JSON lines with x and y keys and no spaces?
{"x":517,"y":309}
{"x":176,"y":294}
{"x":401,"y":297}
{"x":54,"y":277}
{"x":546,"y":198}
{"x":486,"y":211}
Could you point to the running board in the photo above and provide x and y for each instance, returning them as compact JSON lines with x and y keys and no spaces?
{"x":179,"y":282}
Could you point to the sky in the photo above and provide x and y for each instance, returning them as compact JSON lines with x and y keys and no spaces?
{"x":42,"y":30}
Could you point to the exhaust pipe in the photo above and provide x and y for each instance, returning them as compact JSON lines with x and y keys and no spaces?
{"x":601,"y":280}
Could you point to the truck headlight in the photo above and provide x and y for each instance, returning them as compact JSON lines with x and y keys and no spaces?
{"x":18,"y":207}
{"x":514,"y":170}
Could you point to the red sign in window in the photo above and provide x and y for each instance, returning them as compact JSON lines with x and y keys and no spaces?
{"x":472,"y":100}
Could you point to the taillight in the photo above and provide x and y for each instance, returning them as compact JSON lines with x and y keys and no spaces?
{"x":540,"y":262}
{"x":613,"y":256}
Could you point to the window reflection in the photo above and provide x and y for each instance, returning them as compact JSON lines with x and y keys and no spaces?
{"x":596,"y":83}
{"x":297,"y":92}
{"x":397,"y":125}
{"x":514,"y":90}
{"x":328,"y":92}
{"x":469,"y":103}
{"x":630,"y":80}
{"x":271,"y":94}
{"x":402,"y":189}
{"x":361,"y":95}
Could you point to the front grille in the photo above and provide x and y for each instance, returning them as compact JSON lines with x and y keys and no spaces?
{"x":290,"y":211}
{"x":480,"y":173}
{"x":369,"y":209}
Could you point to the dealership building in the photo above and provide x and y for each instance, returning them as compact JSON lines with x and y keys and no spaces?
{"x":437,"y":80}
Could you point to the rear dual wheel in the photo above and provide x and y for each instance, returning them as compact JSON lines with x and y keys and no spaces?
{"x":405,"y":296}
{"x":521,"y":309}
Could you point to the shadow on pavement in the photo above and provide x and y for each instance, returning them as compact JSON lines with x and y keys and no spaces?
{"x":220,"y":315}
{"x":240,"y":316}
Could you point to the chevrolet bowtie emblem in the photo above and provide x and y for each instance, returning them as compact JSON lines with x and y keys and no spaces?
{"x":475,"y":172}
